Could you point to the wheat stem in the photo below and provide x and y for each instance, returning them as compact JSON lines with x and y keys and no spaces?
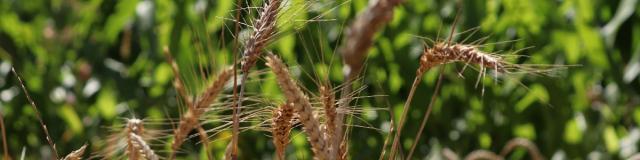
{"x":6,"y":155}
{"x":38,"y":116}
{"x":427,"y":113}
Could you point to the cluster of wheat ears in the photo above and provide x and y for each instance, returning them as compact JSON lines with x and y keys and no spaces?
{"x":323,"y":121}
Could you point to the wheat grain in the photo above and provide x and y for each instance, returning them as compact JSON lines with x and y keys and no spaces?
{"x":301,"y":105}
{"x":281,"y":127}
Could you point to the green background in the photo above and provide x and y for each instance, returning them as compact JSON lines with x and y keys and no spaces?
{"x":89,"y":64}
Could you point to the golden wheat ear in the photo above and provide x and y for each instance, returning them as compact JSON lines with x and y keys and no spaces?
{"x":190,"y":119}
{"x":77,"y":154}
{"x":131,"y":140}
{"x":301,"y":105}
{"x":281,"y":128}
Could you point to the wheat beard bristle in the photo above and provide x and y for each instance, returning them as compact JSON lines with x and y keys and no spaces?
{"x":281,"y":128}
{"x":301,"y":106}
{"x":442,"y":53}
{"x":190,"y":119}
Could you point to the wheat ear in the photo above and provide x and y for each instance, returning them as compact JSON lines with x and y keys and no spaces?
{"x":358,"y":39}
{"x":38,"y":116}
{"x":77,"y":154}
{"x":442,"y":53}
{"x":190,"y":118}
{"x":141,"y":148}
{"x":281,"y":128}
{"x":301,"y":106}
{"x":133,"y":127}
{"x":264,"y":29}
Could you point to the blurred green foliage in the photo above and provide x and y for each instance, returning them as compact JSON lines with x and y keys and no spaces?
{"x":90,"y":63}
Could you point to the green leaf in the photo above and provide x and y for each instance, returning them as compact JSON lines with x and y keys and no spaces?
{"x":611,"y":139}
{"x":536,"y":92}
{"x":484,"y":140}
{"x":106,"y":102}
{"x":71,"y":118}
{"x":572,"y":133}
{"x":636,"y":115}
{"x":527,"y":131}
{"x":125,"y":10}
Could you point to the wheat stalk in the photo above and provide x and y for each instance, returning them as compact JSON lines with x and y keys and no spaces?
{"x":301,"y":106}
{"x":5,"y":148}
{"x":281,"y":127}
{"x":37,"y":112}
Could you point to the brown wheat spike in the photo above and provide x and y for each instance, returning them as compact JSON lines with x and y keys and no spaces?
{"x":77,"y":154}
{"x":281,"y":128}
{"x":442,"y":53}
{"x":301,"y":106}
{"x":358,"y":39}
{"x":133,"y":127}
{"x":190,"y":118}
{"x":263,"y":30}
